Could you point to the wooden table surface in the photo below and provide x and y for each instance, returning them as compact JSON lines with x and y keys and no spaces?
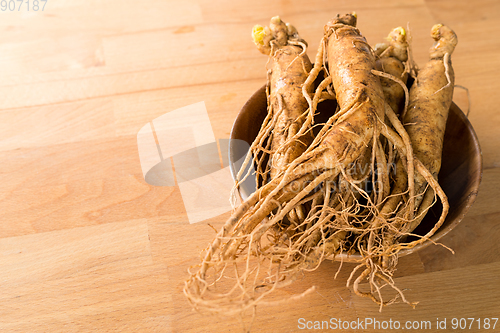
{"x":87,"y":245}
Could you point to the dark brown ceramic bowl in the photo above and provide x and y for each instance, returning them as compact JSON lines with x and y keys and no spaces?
{"x":459,"y":177}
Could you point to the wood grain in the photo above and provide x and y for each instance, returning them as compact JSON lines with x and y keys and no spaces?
{"x":83,"y":279}
{"x":86,"y":245}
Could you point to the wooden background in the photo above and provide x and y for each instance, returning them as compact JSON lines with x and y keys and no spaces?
{"x":86,"y":245}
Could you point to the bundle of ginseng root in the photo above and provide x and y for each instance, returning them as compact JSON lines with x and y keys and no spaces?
{"x":359,"y":182}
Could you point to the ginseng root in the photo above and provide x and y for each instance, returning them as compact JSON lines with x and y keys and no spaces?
{"x":361,"y":184}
